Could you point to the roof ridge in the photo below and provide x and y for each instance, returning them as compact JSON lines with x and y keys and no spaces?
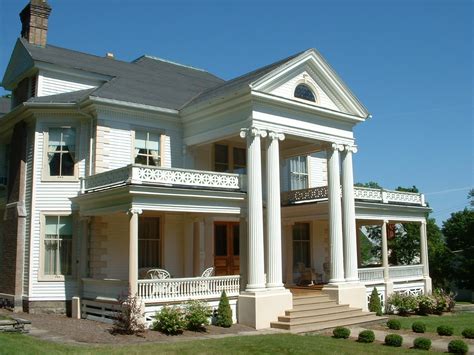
{"x":169,"y":61}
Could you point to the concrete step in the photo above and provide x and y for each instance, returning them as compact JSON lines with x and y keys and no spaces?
{"x":317,"y":305}
{"x":350,"y":313}
{"x":293,"y":316}
{"x":311,"y":300}
{"x":314,"y":307}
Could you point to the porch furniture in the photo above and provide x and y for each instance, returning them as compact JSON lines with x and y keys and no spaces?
{"x":157,"y":274}
{"x":208,"y":272}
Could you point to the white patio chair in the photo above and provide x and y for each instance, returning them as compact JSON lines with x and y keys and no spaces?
{"x":208,"y":272}
{"x":158,"y":274}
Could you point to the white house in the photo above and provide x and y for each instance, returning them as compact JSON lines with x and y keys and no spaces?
{"x":117,"y":172}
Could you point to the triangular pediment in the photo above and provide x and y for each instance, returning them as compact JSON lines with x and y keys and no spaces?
{"x":312,"y":70}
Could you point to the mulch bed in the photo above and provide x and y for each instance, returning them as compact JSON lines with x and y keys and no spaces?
{"x":92,"y":332}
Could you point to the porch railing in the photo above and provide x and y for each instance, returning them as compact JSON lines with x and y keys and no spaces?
{"x":396,"y":273}
{"x":360,"y":194}
{"x":182,"y":289}
{"x":152,"y":175}
{"x":371,"y":274}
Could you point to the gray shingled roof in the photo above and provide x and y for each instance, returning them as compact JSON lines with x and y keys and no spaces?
{"x":65,"y":98}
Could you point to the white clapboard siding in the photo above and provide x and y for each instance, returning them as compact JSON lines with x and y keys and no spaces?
{"x":28,"y":203}
{"x":324,"y":97}
{"x":58,"y":83}
{"x":318,"y":169}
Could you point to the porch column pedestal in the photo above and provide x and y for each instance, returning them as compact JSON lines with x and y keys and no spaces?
{"x":424,"y":258}
{"x":133,"y":250}
{"x":386,"y":268}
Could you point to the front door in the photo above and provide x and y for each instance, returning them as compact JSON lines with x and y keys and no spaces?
{"x":226,"y":248}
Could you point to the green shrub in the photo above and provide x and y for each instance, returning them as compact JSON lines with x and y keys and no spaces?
{"x":169,"y":320}
{"x":422,"y":343}
{"x":130,"y":319}
{"x":375,"y":305}
{"x":366,"y":336}
{"x":444,"y":300}
{"x":418,"y":327}
{"x":224,"y":312}
{"x":468,"y":333}
{"x":426,"y":305}
{"x":401,"y":303}
{"x":394,"y":340}
{"x":457,"y":347}
{"x":341,"y":333}
{"x":445,"y":330}
{"x":197,"y":315}
{"x":394,"y":324}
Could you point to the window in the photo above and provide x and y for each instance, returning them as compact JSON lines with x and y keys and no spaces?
{"x":57,"y":258}
{"x":303,"y":92}
{"x":147,"y":148}
{"x":301,"y":246}
{"x":230,"y":159}
{"x":61,"y":151}
{"x":149,"y":242}
{"x":299,"y":173}
{"x":221,"y":158}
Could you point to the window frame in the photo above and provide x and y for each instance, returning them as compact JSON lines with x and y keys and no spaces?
{"x":161,"y":134}
{"x":77,"y":153}
{"x":313,"y":89}
{"x":307,"y":174}
{"x":41,"y":272}
{"x":161,"y":230}
{"x":230,"y":156}
{"x":308,"y":242}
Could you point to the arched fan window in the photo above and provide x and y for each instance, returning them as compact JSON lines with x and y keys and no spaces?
{"x":303,"y":92}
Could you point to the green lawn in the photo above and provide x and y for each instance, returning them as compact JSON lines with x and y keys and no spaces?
{"x":459,"y":321}
{"x":261,"y":344}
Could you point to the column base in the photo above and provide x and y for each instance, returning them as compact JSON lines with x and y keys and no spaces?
{"x":258,"y":309}
{"x":428,"y":285}
{"x":354,"y":294}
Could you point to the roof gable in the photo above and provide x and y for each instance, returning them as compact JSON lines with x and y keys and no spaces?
{"x":20,"y":63}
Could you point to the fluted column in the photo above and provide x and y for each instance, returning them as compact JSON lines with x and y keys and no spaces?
{"x":348,"y":209}
{"x":385,"y":265}
{"x":256,"y":273}
{"x":133,"y":250}
{"x":424,"y":249}
{"x":335,"y":215}
{"x":274,"y":271}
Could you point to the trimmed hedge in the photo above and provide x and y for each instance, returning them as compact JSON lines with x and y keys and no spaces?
{"x":341,"y":333}
{"x":468,"y":333}
{"x":422,"y":343}
{"x":394,"y":340}
{"x":418,"y":327}
{"x":394,"y":324}
{"x":445,"y":330}
{"x":366,"y":336}
{"x":457,"y":347}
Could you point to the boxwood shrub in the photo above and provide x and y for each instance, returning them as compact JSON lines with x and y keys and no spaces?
{"x":366,"y":336}
{"x":468,"y":333}
{"x":341,"y":333}
{"x":445,"y":330}
{"x":418,"y":327}
{"x":457,"y":347}
{"x":394,"y":324}
{"x":422,"y":343}
{"x":394,"y":340}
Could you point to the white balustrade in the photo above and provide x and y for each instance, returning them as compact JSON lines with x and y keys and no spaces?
{"x":182,"y":289}
{"x":371,"y":275}
{"x":406,"y":272}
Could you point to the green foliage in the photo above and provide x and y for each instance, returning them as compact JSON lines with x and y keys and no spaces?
{"x":422,"y":343}
{"x":413,"y":189}
{"x":394,"y":340}
{"x":130,"y":319}
{"x":197,"y":315}
{"x":403,"y":304}
{"x":439,"y":256}
{"x":426,"y":305}
{"x":370,"y":184}
{"x":468,"y":333}
{"x":366,"y":336}
{"x":394,"y":324}
{"x":446,"y":330}
{"x":457,"y":347}
{"x":375,"y":304}
{"x":470,"y":196}
{"x":224,"y":312}
{"x":405,"y":247}
{"x":445,"y":301}
{"x":418,"y":327}
{"x":341,"y":333}
{"x":458,"y":230}
{"x":169,"y":320}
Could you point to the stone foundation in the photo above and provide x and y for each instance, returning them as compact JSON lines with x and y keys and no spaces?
{"x":48,"y":307}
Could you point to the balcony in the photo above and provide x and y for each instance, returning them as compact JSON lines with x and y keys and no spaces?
{"x":316,"y":194}
{"x":157,"y":176}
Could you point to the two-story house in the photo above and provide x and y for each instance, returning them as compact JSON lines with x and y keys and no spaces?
{"x":143,"y":175}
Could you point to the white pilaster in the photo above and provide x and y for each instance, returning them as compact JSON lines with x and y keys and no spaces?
{"x":256,"y":277}
{"x":188,"y":246}
{"x":335,"y":215}
{"x":385,"y":251}
{"x":424,"y":257}
{"x":348,"y":208}
{"x":273,"y":266}
{"x":133,"y":250}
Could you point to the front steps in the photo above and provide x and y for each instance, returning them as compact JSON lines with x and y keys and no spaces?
{"x":314,"y":311}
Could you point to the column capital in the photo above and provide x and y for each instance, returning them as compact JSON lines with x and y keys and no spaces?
{"x":134,"y":210}
{"x":252,"y":132}
{"x":423,"y":222}
{"x":350,"y":148}
{"x":276,"y":135}
{"x":336,"y":146}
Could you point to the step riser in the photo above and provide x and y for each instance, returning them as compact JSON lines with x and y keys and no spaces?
{"x":327,"y":318}
{"x":312,"y":327}
{"x":312,"y":300}
{"x":319,"y":313}
{"x":313,"y":310}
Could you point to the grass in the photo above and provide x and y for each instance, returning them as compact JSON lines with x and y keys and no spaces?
{"x":459,"y":321}
{"x":4,"y":317}
{"x":258,"y":344}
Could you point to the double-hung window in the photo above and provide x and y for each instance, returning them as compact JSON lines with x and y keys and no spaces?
{"x":299,"y":173}
{"x":61,"y":151}
{"x":147,"y":148}
{"x":301,"y":245}
{"x":230,"y":159}
{"x":57,"y":246}
{"x":149,"y":242}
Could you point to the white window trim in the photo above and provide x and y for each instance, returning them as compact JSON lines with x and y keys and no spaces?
{"x":162,"y":135}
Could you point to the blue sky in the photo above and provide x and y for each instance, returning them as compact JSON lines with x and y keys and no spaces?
{"x":409,"y":62}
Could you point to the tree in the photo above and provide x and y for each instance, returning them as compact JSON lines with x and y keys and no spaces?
{"x":470,"y":196}
{"x":371,"y":184}
{"x":224,"y":312}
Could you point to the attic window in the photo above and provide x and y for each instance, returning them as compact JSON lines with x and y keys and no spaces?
{"x":303,"y":92}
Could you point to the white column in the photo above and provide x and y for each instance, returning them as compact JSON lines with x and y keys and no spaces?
{"x":274,"y":271}
{"x":335,"y":215}
{"x":243,"y":241}
{"x":348,"y":209}
{"x":133,"y":250}
{"x":424,"y":249}
{"x":256,"y":277}
{"x":385,"y":265}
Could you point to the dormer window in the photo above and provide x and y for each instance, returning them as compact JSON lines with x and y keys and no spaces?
{"x":302,"y":91}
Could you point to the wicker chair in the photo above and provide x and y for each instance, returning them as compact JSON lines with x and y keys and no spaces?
{"x":157,"y":274}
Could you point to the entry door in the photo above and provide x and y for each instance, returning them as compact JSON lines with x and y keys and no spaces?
{"x":226,"y":248}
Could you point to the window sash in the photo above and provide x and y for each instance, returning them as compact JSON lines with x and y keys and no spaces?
{"x":149,"y":242}
{"x":57,"y":245}
{"x":61,"y":151}
{"x":299,"y":176}
{"x":301,"y":245}
{"x":147,"y":148}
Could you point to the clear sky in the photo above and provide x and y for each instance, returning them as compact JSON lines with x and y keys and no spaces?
{"x":409,"y":62}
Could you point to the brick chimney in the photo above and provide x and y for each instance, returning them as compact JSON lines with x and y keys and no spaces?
{"x":34,"y":22}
